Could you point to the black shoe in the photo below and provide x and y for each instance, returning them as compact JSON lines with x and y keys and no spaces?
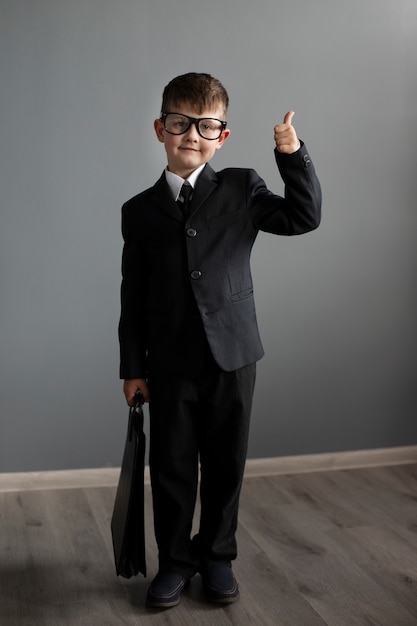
{"x":165,"y":590}
{"x":220,"y":583}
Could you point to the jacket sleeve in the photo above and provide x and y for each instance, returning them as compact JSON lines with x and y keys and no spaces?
{"x":132,"y":324}
{"x":300,"y":210}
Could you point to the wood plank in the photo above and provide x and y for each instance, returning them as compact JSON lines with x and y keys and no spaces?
{"x":305,"y":541}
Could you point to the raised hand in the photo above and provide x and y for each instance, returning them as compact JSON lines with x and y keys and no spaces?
{"x":285,"y":136}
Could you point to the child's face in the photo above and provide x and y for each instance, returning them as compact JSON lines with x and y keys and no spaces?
{"x":188,"y":151}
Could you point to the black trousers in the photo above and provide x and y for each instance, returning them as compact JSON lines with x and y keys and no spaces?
{"x":204,"y":419}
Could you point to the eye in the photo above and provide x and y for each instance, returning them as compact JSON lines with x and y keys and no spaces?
{"x":176,"y":123}
{"x":177,"y":120}
{"x":210,"y":125}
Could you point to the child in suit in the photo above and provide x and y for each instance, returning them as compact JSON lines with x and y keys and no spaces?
{"x":188,"y":334}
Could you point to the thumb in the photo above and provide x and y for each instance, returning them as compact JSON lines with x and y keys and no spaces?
{"x":288,"y":117}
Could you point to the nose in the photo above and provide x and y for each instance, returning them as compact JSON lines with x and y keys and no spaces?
{"x":192,"y":133}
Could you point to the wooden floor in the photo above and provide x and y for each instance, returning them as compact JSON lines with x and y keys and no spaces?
{"x":327,"y":547}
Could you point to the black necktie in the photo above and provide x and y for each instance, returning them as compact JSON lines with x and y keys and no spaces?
{"x":186,"y":191}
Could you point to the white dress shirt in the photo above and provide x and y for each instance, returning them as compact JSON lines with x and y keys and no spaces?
{"x":175,"y":182}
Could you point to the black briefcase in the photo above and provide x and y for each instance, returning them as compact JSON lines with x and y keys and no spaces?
{"x":128,"y":524}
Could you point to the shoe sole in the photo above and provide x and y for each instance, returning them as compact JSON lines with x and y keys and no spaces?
{"x":225,"y":597}
{"x":224,"y":600}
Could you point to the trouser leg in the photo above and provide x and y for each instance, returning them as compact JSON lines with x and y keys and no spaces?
{"x":173,"y":460}
{"x":224,"y":418}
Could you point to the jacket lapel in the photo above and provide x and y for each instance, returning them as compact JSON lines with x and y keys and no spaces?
{"x":162,"y":196}
{"x":206,"y":184}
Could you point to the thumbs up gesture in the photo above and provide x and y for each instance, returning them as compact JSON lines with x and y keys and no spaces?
{"x":285,"y":136}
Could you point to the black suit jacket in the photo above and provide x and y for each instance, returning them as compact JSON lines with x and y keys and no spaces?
{"x":188,"y":284}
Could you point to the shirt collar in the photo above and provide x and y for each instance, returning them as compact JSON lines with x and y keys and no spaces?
{"x":175,"y":182}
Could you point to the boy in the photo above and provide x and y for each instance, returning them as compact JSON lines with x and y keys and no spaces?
{"x":188,"y":332}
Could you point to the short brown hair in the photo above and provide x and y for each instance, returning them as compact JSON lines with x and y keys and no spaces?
{"x":200,"y":91}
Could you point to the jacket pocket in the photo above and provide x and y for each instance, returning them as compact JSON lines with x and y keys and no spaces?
{"x":242,"y":295}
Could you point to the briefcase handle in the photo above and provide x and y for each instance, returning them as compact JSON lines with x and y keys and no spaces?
{"x":138,"y":399}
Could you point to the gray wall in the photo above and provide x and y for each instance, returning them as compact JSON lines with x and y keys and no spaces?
{"x":81,"y":83}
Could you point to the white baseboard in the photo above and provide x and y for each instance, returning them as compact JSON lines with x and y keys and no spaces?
{"x":331,"y":461}
{"x":108,"y":477}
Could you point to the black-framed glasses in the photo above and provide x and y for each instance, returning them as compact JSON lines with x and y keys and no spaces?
{"x":178,"y":124}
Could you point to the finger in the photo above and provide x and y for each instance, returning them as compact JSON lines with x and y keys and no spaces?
{"x":144,"y":389}
{"x":288,"y":117}
{"x":129,"y":390}
{"x":130,"y":400}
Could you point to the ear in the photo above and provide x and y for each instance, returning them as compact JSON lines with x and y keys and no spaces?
{"x":225,"y":134}
{"x":159,"y":130}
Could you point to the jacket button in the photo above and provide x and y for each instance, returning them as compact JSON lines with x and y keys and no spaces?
{"x":306,"y":160}
{"x":195,"y":274}
{"x":191,"y":232}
